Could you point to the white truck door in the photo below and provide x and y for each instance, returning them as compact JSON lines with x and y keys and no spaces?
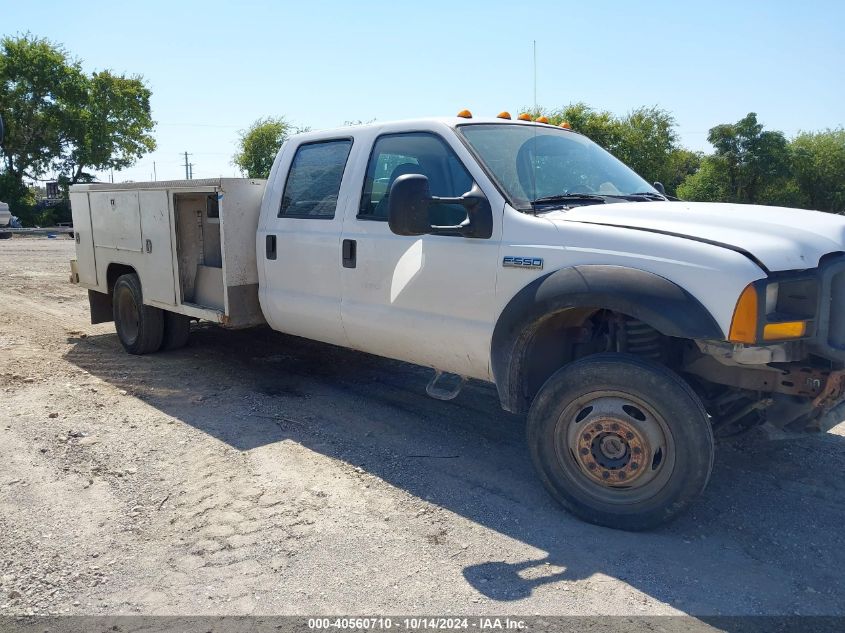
{"x":429,"y":300}
{"x":157,"y":273}
{"x":84,"y":235}
{"x":299,"y":241}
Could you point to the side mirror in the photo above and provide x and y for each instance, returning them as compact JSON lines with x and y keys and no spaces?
{"x":410,"y":199}
{"x":659,"y":186}
{"x":407,"y":205}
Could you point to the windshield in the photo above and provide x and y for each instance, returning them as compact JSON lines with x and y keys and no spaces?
{"x":538,"y":164}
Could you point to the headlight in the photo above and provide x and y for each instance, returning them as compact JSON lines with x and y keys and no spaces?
{"x":775,"y":311}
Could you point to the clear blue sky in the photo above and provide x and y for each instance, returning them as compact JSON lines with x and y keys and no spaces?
{"x":214,"y":67}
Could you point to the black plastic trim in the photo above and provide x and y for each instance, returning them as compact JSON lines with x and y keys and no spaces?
{"x":655,"y":300}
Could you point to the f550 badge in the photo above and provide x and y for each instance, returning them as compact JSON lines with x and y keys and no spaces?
{"x":522,"y":262}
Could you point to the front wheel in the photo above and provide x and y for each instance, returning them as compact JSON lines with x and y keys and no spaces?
{"x":620,"y":441}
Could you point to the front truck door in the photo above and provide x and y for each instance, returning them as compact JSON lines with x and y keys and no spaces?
{"x":299,"y":241}
{"x":429,"y":299}
{"x":157,"y":273}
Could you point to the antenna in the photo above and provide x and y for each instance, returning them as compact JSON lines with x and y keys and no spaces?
{"x":535,"y":77}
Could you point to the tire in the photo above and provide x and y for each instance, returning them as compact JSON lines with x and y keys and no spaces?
{"x":177,"y":330}
{"x":140,"y":328}
{"x":594,"y":418}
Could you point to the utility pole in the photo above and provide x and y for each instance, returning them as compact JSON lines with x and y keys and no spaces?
{"x":187,"y":167}
{"x":155,"y":176}
{"x":190,"y":171}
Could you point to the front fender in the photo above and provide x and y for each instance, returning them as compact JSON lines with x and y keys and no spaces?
{"x":645,"y":296}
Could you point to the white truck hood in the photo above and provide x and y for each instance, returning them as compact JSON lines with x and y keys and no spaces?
{"x":778,"y":237}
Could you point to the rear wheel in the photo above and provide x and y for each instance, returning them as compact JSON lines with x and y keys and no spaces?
{"x":620,"y":441}
{"x":177,"y":330}
{"x":140,"y":328}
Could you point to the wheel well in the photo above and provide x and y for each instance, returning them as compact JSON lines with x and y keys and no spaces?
{"x":570,"y":334}
{"x":116,"y":270}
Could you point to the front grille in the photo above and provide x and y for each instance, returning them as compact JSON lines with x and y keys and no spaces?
{"x":836,"y":324}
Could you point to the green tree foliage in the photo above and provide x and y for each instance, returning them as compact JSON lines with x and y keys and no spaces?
{"x":59,"y":119}
{"x":818,"y":165}
{"x":754,"y":162}
{"x":645,"y":139}
{"x":259,"y":144}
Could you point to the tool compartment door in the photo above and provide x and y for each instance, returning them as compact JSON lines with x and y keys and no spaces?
{"x":157,"y":273}
{"x":84,"y":236}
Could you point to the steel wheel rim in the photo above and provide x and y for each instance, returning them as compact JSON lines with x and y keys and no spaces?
{"x":615,"y":447}
{"x":127,"y":311}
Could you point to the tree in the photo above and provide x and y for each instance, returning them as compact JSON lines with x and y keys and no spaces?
{"x":645,"y":139}
{"x":259,"y":144}
{"x":818,"y":164}
{"x":112,"y":129}
{"x":60,"y":119}
{"x":752,"y":160}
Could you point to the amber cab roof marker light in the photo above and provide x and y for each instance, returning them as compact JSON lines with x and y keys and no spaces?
{"x":465,"y":114}
{"x":542,"y":119}
{"x":503,"y":115}
{"x":566,"y":125}
{"x":524,"y":117}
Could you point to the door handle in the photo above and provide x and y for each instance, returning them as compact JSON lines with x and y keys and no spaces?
{"x":350,"y":248}
{"x":270,"y":245}
{"x":149,"y":246}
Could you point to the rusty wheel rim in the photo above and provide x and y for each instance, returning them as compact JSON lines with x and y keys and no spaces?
{"x":615,"y":446}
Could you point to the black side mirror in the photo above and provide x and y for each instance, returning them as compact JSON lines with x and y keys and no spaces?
{"x":408,"y":206}
{"x":659,"y":186}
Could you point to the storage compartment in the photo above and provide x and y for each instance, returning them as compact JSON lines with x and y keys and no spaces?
{"x":191,"y":242}
{"x":198,"y":249}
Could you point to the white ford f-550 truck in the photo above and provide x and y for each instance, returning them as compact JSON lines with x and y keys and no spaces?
{"x":630,"y":328}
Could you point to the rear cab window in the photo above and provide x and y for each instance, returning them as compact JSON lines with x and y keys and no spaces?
{"x":314,"y":178}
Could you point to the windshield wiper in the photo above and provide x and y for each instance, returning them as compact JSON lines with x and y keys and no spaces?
{"x":649,"y":195}
{"x":569,"y":197}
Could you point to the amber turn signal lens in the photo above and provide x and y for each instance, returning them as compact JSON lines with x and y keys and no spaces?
{"x":504,"y":115}
{"x":744,"y":322}
{"x":465,"y":114}
{"x":788,"y":329}
{"x":524,"y":117}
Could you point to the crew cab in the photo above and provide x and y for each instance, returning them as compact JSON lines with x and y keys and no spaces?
{"x":629,"y":328}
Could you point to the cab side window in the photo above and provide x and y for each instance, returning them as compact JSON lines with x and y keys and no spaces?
{"x":423,"y":153}
{"x":314,"y":180}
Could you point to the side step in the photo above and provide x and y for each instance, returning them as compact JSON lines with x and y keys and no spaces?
{"x":439,"y":385}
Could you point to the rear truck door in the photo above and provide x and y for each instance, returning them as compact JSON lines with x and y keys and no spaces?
{"x":425,"y":299}
{"x":157,"y":273}
{"x":83,"y":234}
{"x":299,"y":239}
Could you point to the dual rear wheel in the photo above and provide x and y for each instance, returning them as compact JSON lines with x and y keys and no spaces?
{"x":143,"y":329}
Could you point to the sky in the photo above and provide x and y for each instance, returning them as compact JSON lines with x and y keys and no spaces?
{"x":215,"y":67}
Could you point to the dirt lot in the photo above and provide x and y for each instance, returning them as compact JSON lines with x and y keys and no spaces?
{"x":255,"y":473}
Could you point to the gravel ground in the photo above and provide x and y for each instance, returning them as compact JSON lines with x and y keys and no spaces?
{"x":255,"y":473}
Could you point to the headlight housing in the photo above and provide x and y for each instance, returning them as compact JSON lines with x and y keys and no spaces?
{"x":773,"y":311}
